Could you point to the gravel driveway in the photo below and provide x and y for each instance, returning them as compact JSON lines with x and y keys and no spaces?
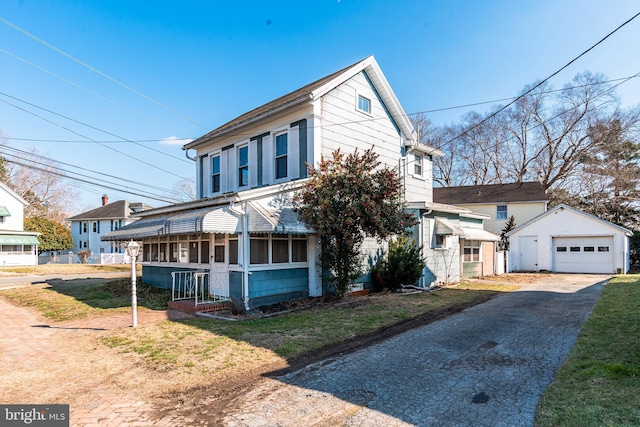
{"x":486,"y":366}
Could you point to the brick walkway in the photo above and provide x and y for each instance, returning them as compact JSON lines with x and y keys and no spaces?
{"x":34,"y":356}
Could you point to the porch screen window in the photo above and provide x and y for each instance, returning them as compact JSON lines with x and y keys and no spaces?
{"x":193,"y":252}
{"x":233,"y":249}
{"x":218,"y":248}
{"x":183,"y":252}
{"x":281,"y":156}
{"x":173,"y":252}
{"x":501,"y":212}
{"x":163,"y":252}
{"x":243,"y":166}
{"x":259,"y":248}
{"x":204,"y":252}
{"x":215,"y":174}
{"x":471,"y":250}
{"x":280,"y":248}
{"x":299,"y":249}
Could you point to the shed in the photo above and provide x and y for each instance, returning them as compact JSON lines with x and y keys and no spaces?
{"x":568,"y":240}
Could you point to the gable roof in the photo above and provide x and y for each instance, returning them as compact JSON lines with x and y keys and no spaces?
{"x":568,"y":208}
{"x":313,"y":91}
{"x":492,"y":193}
{"x":116,"y":210}
{"x":13,"y":193}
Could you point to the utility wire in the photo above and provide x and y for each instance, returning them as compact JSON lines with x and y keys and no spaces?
{"x":92,"y":127}
{"x":64,"y":172}
{"x":106,"y":76}
{"x":90,"y":139}
{"x":89,"y":182}
{"x":89,"y":91}
{"x":26,"y":153}
{"x":541,"y":82}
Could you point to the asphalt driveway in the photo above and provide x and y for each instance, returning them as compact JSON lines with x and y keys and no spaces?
{"x":486,"y":366}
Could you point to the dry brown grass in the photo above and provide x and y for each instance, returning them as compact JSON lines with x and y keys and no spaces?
{"x":171,"y":358}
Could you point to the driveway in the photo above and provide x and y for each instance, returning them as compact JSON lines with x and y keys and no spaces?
{"x":486,"y":366}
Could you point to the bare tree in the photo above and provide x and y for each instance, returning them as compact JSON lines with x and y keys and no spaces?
{"x":48,"y":195}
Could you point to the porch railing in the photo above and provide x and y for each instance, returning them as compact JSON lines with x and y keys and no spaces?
{"x":201,"y":286}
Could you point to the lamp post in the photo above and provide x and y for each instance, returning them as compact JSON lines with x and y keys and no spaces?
{"x":133,"y":249}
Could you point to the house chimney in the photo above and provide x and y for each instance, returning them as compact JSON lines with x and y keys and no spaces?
{"x":105,"y":200}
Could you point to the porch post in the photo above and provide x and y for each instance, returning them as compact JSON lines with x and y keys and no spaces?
{"x":245,"y":256}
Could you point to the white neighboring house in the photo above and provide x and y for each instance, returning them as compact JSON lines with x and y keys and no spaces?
{"x":17,"y":247}
{"x":567,"y":240}
{"x":87,"y":227}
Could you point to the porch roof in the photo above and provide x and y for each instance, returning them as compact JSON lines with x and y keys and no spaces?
{"x":265,"y":216}
{"x":448,"y":227}
{"x":16,"y":239}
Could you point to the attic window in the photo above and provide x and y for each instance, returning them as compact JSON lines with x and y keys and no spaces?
{"x":364,"y":104}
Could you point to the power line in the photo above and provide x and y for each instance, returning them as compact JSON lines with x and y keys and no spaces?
{"x":89,"y":182}
{"x":91,"y":127}
{"x":541,"y":82}
{"x":26,"y":153}
{"x":90,"y":139}
{"x":106,"y":76}
{"x":104,"y":98}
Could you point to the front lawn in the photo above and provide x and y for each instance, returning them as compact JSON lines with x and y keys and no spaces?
{"x":599,"y":382}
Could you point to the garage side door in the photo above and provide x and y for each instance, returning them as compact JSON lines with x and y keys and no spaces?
{"x":583,"y":255}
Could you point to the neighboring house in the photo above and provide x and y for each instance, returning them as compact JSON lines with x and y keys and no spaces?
{"x":243,"y":229}
{"x":87,"y":227}
{"x":522,"y":200}
{"x":567,"y":240}
{"x":17,"y":247}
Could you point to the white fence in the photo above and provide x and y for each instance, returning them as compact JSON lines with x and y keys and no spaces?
{"x":72,"y":258}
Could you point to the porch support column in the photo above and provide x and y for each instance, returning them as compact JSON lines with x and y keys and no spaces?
{"x":245,"y":256}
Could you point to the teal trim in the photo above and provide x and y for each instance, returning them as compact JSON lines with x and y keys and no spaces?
{"x":302,"y":140}
{"x":4,"y":211}
{"x":366,"y":76}
{"x":160,"y":277}
{"x":274,"y":286}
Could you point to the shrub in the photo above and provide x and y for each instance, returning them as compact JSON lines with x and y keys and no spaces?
{"x":402,"y":266}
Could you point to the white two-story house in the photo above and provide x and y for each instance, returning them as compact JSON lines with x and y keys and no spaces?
{"x":243,"y":229}
{"x":87,"y":227}
{"x":17,"y":247}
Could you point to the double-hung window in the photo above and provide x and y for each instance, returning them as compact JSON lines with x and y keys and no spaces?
{"x":364,"y":104}
{"x":281,"y":156}
{"x":501,"y":212}
{"x":417,"y":164}
{"x":215,"y":174}
{"x":243,"y":166}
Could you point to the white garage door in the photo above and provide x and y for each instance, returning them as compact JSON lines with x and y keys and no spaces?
{"x":583,"y":254}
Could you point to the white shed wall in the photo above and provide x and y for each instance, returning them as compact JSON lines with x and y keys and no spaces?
{"x":566,"y":223}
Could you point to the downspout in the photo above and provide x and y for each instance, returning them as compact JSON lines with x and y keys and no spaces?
{"x":245,"y":250}
{"x":186,"y":153}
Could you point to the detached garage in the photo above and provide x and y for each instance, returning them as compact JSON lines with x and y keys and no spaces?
{"x":567,"y":240}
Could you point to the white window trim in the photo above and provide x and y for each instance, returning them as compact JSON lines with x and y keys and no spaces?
{"x":506,"y":212}
{"x":237,"y":168}
{"x":274,"y":136}
{"x":218,"y":154}
{"x":358,"y":96}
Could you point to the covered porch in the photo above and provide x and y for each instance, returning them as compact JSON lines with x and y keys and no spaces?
{"x":249,"y":253}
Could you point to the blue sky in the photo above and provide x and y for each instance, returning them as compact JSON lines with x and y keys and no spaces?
{"x":202,"y":63}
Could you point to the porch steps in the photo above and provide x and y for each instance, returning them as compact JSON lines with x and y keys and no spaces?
{"x":188,"y":306}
